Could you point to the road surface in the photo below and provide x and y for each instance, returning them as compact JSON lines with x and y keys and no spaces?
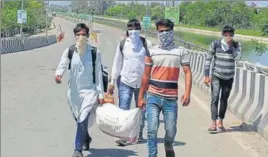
{"x":36,"y":120}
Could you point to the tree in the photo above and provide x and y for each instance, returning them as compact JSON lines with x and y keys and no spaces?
{"x":34,"y":22}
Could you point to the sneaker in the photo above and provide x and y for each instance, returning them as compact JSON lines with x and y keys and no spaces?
{"x":86,"y":145}
{"x":77,"y":154}
{"x":140,"y":139}
{"x":170,"y":153}
{"x":120,"y":142}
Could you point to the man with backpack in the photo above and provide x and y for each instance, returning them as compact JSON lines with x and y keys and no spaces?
{"x":224,"y":53}
{"x":86,"y":83}
{"x":128,"y":68}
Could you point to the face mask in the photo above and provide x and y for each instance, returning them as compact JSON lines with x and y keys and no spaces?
{"x":166,"y":39}
{"x":81,"y":44}
{"x":134,"y":35}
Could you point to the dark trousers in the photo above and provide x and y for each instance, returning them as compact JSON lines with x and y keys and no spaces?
{"x":82,"y":135}
{"x":223,"y":87}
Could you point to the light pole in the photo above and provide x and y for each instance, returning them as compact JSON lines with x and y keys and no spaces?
{"x":47,"y":9}
{"x":21,"y":33}
{"x":92,"y":13}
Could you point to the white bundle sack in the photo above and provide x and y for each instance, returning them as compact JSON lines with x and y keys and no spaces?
{"x":116,"y":122}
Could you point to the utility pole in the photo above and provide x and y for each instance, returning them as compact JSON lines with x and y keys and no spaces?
{"x":21,"y":33}
{"x":47,"y":9}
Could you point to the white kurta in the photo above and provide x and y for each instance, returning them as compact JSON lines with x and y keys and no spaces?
{"x":82,"y":93}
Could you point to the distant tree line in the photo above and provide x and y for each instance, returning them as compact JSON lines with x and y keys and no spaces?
{"x":209,"y":13}
{"x":36,"y":17}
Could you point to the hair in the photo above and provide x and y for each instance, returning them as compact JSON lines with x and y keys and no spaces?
{"x":133,"y":23}
{"x":164,"y":22}
{"x":79,"y":27}
{"x":228,"y":29}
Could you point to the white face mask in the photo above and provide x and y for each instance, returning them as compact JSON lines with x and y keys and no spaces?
{"x":134,"y":35}
{"x":81,"y":44}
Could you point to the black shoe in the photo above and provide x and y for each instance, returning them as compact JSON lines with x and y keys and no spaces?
{"x":170,"y":153}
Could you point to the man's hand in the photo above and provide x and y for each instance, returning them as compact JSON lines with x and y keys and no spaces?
{"x":58,"y":79}
{"x":111,"y":89}
{"x":101,"y":101}
{"x":141,"y":103}
{"x":207,"y":80}
{"x":229,"y":40}
{"x":185,"y":100}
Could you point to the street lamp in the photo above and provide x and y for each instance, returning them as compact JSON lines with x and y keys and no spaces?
{"x":92,"y":15}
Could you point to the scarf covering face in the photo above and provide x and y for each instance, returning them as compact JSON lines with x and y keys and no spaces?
{"x":166,"y":40}
{"x":134,"y":35}
{"x":81,"y":44}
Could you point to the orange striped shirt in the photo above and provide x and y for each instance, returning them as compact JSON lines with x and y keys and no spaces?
{"x":166,"y":69}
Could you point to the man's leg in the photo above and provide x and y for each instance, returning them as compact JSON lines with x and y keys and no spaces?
{"x":152,"y":109}
{"x":88,"y":140}
{"x":125,"y":96}
{"x":81,"y":134}
{"x":225,"y":93}
{"x":215,"y":92}
{"x":170,"y":111}
{"x":136,"y":95}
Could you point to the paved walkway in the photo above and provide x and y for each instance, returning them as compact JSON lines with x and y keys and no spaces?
{"x":36,"y":120}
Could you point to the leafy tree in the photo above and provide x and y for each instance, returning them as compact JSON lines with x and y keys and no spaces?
{"x":36,"y":15}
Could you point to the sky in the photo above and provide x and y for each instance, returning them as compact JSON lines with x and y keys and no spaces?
{"x":259,"y":3}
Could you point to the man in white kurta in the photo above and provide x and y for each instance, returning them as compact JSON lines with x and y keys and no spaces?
{"x":82,"y":93}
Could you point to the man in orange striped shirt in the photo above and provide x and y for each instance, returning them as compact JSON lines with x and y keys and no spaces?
{"x":160,"y":78}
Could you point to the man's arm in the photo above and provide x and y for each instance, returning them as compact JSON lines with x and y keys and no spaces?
{"x":237,"y":53}
{"x":63,"y":64}
{"x":185,"y":63}
{"x":208,"y":59}
{"x":117,"y":65}
{"x":145,"y":78}
{"x":98,"y":76}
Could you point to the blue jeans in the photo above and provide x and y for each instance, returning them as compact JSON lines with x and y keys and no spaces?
{"x":81,"y":134}
{"x":169,"y":107}
{"x":125,"y":96}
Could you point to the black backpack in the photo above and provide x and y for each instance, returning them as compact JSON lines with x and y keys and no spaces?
{"x":94,"y":54}
{"x":143,"y":40}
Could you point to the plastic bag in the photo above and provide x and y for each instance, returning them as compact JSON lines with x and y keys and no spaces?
{"x":116,"y":122}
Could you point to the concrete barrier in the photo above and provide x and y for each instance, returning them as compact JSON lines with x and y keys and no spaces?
{"x":16,"y":44}
{"x":249,"y":97}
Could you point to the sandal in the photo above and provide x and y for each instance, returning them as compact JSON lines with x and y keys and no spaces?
{"x":221,"y":129}
{"x":213,"y":128}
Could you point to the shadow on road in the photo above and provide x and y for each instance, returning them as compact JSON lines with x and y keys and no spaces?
{"x":162,"y":140}
{"x":176,"y":143}
{"x":244,"y":127}
{"x":111,"y":153}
